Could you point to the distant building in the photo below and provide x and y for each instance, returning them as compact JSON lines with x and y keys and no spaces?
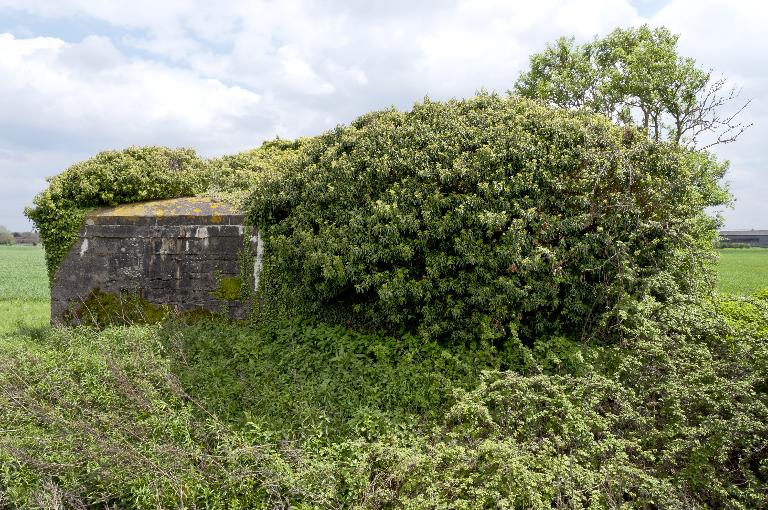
{"x":750,"y":237}
{"x":30,"y":238}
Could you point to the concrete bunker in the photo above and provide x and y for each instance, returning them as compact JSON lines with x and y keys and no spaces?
{"x":187,"y":253}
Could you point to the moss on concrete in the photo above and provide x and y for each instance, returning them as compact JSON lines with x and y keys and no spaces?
{"x":103,"y":309}
{"x":230,"y":289}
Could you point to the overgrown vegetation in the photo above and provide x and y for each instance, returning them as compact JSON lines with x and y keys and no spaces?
{"x":310,"y":416}
{"x":138,"y":174}
{"x":487,"y":218}
{"x":485,"y":303}
{"x":110,"y":178}
{"x":101,"y":309}
{"x":484,"y":218}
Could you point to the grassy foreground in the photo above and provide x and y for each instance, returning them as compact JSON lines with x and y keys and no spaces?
{"x":310,"y":416}
{"x":742,"y":271}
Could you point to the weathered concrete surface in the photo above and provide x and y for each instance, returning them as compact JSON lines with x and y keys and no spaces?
{"x":172,"y":252}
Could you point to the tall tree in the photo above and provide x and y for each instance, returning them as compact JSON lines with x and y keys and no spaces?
{"x":5,"y":236}
{"x":636,"y":77}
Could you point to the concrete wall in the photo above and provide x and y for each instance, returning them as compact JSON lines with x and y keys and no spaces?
{"x":174,"y":260}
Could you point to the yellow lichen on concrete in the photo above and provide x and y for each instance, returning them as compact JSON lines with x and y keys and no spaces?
{"x":187,"y":206}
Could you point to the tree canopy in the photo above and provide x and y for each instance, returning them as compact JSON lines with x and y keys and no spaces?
{"x":637,"y":77}
{"x":5,"y":236}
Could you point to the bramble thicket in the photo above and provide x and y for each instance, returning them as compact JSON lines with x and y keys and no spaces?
{"x":476,"y":303}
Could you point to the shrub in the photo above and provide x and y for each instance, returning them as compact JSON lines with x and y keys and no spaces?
{"x":664,"y":437}
{"x":144,"y":173}
{"x":321,"y":382}
{"x":486,"y":218}
{"x":747,"y":315}
{"x":299,"y":415}
{"x":108,"y":427}
{"x":237,"y":175}
{"x":110,"y":178}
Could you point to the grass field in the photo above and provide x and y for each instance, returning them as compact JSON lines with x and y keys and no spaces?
{"x":743,"y":270}
{"x":24,"y":295}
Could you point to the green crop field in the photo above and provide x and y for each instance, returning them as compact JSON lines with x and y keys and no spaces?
{"x":24,"y":295}
{"x":743,"y":271}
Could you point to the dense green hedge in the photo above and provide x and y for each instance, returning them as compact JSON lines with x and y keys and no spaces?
{"x":144,"y":173}
{"x":486,"y":218}
{"x":619,"y":383}
{"x":110,"y":178}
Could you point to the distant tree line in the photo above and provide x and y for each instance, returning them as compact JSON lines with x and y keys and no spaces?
{"x":8,"y":238}
{"x":5,"y":236}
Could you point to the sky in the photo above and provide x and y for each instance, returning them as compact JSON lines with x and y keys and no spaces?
{"x":81,"y":76}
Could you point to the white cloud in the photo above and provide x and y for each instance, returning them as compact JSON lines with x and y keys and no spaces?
{"x":93,"y":55}
{"x":89,"y":92}
{"x":298,"y":73}
{"x":729,"y":37}
{"x":22,"y":176}
{"x":223,"y":76}
{"x":62,"y":102}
